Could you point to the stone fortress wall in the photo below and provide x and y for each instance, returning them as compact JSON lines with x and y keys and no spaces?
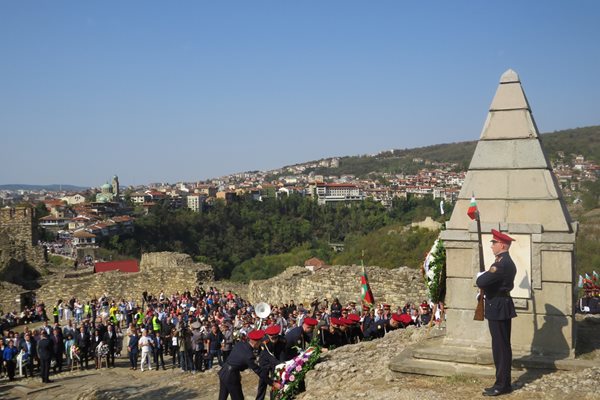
{"x":169,"y":272}
{"x":18,"y":238}
{"x":175,"y":272}
{"x":394,"y":286}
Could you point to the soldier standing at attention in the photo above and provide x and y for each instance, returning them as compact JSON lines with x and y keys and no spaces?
{"x":497,"y":282}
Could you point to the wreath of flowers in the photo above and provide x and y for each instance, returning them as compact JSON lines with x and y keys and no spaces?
{"x":291,"y":374}
{"x":434,"y":271}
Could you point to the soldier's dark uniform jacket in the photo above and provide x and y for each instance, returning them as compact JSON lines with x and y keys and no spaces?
{"x":296,"y":338}
{"x":270,"y":355}
{"x":241,"y":358}
{"x":497,"y":283}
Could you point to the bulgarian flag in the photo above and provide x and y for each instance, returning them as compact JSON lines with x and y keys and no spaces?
{"x":365,"y":289}
{"x":472,"y":211}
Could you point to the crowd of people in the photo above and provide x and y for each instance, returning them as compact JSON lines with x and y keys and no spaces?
{"x":192,"y":332}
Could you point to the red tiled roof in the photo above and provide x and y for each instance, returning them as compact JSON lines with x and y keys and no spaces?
{"x":120,"y":265}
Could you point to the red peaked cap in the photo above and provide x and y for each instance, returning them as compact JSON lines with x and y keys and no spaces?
{"x":334,"y":321}
{"x":354,"y":317}
{"x":273,"y":330}
{"x":256,"y":335}
{"x":501,"y":237}
{"x":310,"y":321}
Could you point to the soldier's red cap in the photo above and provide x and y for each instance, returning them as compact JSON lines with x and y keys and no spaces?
{"x":310,"y":321}
{"x":334,"y":321}
{"x":273,"y":330}
{"x":397,"y":317}
{"x":345,"y":321}
{"x":354,"y":318}
{"x":256,"y":335}
{"x":501,"y":237}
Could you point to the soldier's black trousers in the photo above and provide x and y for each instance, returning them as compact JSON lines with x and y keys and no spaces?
{"x":502,"y":352}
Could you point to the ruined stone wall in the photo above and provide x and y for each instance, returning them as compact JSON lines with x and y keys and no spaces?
{"x":10,"y":297}
{"x":394,"y":286}
{"x":17,"y":238}
{"x":170,"y":272}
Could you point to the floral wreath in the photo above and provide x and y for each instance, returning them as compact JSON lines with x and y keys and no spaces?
{"x":434,"y":271}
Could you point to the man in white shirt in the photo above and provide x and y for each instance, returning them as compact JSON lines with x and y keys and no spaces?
{"x":145,"y":343}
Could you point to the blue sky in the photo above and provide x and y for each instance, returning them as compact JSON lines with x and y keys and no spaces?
{"x":188,"y":90}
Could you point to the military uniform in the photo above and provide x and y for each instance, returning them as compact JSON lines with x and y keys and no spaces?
{"x":497,"y":283}
{"x":296,"y":338}
{"x":271,"y":354}
{"x":241,"y":358}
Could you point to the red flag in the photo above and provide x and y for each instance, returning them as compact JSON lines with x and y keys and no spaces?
{"x":366,"y":294}
{"x":472,"y":211}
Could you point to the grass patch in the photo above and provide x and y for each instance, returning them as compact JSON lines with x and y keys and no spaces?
{"x":460,"y":379}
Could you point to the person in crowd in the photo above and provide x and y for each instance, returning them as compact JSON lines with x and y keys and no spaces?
{"x":58,"y":349}
{"x":158,"y":350}
{"x":44,"y":351}
{"x":214,"y":339}
{"x":227,"y":343}
{"x":132,"y":348}
{"x":146,"y":344}
{"x":28,"y":345}
{"x":110,"y":339}
{"x":9,"y":356}
{"x":82,"y":341}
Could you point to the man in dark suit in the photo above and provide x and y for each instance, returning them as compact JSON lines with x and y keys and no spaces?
{"x":133,"y":349}
{"x":44,"y":349}
{"x":110,"y":338}
{"x":58,"y":348}
{"x":497,"y":282}
{"x":82,"y":341}
{"x":29,"y":346}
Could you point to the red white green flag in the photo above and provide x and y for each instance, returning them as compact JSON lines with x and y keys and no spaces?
{"x":472,"y":211}
{"x":366,"y":294}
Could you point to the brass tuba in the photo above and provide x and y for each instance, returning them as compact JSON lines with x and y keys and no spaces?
{"x":262,"y":311}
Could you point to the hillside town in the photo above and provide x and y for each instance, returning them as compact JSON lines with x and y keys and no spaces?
{"x":82,"y":219}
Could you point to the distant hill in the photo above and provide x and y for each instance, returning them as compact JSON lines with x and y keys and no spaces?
{"x":50,"y":188}
{"x":584,"y":141}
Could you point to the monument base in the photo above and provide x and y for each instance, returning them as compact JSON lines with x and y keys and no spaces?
{"x":435,"y":357}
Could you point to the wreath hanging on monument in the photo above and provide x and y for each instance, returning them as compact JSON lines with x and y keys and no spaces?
{"x":434,"y":271}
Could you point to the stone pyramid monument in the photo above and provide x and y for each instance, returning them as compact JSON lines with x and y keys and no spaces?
{"x":518,"y":194}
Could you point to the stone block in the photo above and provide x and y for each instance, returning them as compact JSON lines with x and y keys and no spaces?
{"x":557,"y":237}
{"x":557,"y":266}
{"x":462,"y":330}
{"x":461,"y":292}
{"x":509,"y":124}
{"x":459,"y":262}
{"x":523,"y":228}
{"x":508,"y":154}
{"x":554,"y":299}
{"x":544,"y":334}
{"x":548,"y":213}
{"x":452,"y":235}
{"x":509,"y":96}
{"x":513,"y":184}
